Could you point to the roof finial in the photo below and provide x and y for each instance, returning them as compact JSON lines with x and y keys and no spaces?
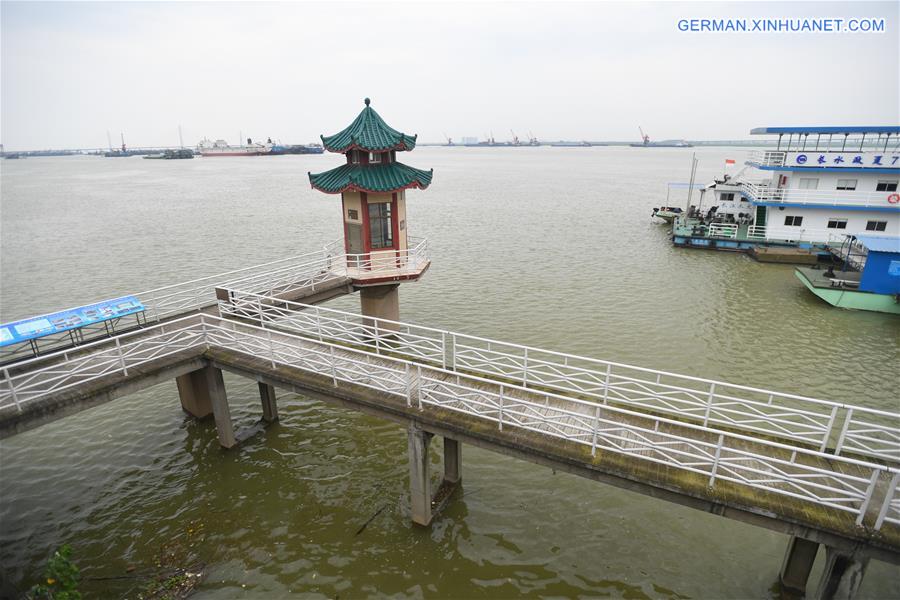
{"x":367,"y":101}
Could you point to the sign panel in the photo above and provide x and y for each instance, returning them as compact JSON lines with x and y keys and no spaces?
{"x":37,"y":327}
{"x":855,"y":160}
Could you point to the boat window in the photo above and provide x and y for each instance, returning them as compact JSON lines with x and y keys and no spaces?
{"x":374,"y":157}
{"x":846,"y":184}
{"x":381,"y":231}
{"x":793,"y":221}
{"x":726,"y":196}
{"x":811,"y":183}
{"x":837,"y":224}
{"x":876,"y":225}
{"x":886,"y":185}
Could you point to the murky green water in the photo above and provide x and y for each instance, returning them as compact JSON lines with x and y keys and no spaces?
{"x":547,"y":246}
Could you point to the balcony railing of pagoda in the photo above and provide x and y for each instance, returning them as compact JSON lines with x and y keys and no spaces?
{"x":762,"y":193}
{"x":378,"y":262}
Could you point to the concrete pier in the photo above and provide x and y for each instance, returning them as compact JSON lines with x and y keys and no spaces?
{"x":452,"y":461}
{"x":269,"y":406}
{"x":419,"y":480}
{"x":203,"y":392}
{"x":842,"y":576}
{"x":797,"y":564}
{"x":380,"y":302}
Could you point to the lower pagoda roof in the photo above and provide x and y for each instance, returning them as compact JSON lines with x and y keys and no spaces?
{"x":388,"y":177}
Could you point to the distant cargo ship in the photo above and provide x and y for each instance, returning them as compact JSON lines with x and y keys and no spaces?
{"x":646,"y":143}
{"x":222,"y":148}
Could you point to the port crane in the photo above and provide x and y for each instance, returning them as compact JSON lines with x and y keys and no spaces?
{"x":449,"y":140}
{"x":644,"y":137}
{"x":515,"y":138}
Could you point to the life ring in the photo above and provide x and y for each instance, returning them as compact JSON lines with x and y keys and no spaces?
{"x":894,"y":199}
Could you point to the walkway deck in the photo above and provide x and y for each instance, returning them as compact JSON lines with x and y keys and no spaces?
{"x":839,"y":500}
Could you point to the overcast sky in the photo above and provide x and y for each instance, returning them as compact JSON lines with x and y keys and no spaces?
{"x":73,"y":71}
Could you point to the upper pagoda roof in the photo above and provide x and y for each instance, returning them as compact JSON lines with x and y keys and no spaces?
{"x":368,"y":132}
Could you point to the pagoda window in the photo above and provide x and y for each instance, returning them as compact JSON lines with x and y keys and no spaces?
{"x":381,"y":230}
{"x":354,"y":157}
{"x":374,"y":157}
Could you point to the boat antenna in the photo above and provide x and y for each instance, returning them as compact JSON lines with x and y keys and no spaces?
{"x":691,"y":184}
{"x":109,"y":140}
{"x":180,"y":138}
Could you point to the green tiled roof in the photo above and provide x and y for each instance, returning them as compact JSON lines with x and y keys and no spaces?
{"x":368,"y":132}
{"x":389,"y":177}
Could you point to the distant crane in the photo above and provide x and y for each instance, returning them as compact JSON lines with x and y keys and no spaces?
{"x":123,"y":142}
{"x":449,"y":140}
{"x":515,"y":138}
{"x":532,"y":141}
{"x":644,"y":137}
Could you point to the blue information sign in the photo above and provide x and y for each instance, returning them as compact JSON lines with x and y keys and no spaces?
{"x":37,"y":327}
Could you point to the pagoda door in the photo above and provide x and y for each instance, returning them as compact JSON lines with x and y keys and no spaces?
{"x":354,"y":239}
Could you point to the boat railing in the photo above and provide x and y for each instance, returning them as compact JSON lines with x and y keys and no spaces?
{"x":759,"y":193}
{"x":795,"y":234}
{"x":766,"y":158}
{"x":723,"y":230}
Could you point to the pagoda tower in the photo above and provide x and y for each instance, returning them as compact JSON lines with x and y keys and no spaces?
{"x":372,"y":185}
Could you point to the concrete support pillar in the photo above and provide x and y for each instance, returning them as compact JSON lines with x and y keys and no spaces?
{"x":842,"y":576}
{"x":452,"y":460}
{"x":203,"y":392}
{"x":797,"y":564}
{"x":419,"y":481}
{"x":269,"y":407}
{"x":380,"y":302}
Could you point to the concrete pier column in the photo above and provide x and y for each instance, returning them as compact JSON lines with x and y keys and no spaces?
{"x":797,"y":564}
{"x":419,"y":481}
{"x":203,"y":392}
{"x":380,"y":302}
{"x":269,"y":407}
{"x":452,"y":460}
{"x":842,"y":576}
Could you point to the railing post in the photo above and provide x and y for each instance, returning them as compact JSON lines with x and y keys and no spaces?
{"x":121,"y":357}
{"x":886,"y":505}
{"x":12,"y":389}
{"x":827,"y":435}
{"x":377,"y":337}
{"x":319,"y":323}
{"x":271,"y":348}
{"x":453,"y":351}
{"x":333,"y":365}
{"x":844,"y":429}
{"x":525,"y":369}
{"x":444,"y":350}
{"x":709,"y":401}
{"x":596,"y":431}
{"x":260,"y":310}
{"x":873,"y":481}
{"x":408,"y":375}
{"x":606,"y":382}
{"x":419,"y":373}
{"x":501,"y":407}
{"x":712,"y":475}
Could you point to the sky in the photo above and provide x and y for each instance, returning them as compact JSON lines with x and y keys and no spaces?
{"x":71,"y":71}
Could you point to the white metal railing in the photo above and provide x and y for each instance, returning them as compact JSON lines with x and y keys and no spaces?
{"x":722,"y":230}
{"x":378,"y":262}
{"x":310,"y":271}
{"x":821,"y":424}
{"x":715,"y":455}
{"x":796,"y":234}
{"x":770,"y":194}
{"x":766,"y":158}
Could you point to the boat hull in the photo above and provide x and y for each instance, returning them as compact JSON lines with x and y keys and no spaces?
{"x":851,"y":299}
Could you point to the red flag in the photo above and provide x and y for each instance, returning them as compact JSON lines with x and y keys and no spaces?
{"x":729,"y":161}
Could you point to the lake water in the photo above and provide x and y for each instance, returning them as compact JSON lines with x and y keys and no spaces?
{"x":553,"y":247}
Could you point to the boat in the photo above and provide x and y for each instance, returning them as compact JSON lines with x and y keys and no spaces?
{"x":670,"y":212}
{"x":118,"y":152}
{"x":646,"y":143}
{"x":171,"y":154}
{"x":222,"y":148}
{"x":868,"y":280}
{"x":818,"y":185}
{"x":279,"y":149}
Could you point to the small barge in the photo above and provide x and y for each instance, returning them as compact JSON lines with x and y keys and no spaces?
{"x":869,"y":279}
